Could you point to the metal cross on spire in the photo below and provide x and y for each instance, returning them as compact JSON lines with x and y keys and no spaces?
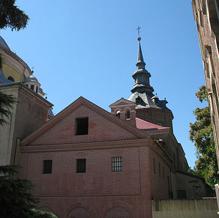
{"x":139,"y":31}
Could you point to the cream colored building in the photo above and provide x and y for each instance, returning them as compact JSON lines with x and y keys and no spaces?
{"x":30,"y":110}
{"x":14,"y":69}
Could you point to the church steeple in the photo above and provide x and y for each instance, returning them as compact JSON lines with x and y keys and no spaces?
{"x":142,"y":91}
{"x":140,"y":64}
{"x":141,"y":75}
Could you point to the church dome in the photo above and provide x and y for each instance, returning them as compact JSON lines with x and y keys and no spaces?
{"x":3,"y":44}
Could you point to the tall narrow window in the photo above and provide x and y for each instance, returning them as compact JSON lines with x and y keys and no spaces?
{"x":47,"y":166}
{"x":81,"y":165}
{"x":215,"y":96}
{"x":82,"y":126}
{"x":127,"y":115}
{"x":118,"y":114}
{"x":117,"y":164}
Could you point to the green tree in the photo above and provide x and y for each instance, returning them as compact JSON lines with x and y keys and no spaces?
{"x":11,"y":16}
{"x":16,"y":199}
{"x":6,"y":102}
{"x":202,"y":135}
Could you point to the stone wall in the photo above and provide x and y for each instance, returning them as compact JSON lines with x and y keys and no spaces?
{"x":185,"y":209}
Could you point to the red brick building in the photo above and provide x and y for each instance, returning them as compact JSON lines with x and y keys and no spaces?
{"x":87,"y":162}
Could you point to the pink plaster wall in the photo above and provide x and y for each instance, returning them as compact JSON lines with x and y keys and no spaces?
{"x":99,"y":189}
{"x":100,"y":129}
{"x":99,"y":192}
{"x":159,"y":178}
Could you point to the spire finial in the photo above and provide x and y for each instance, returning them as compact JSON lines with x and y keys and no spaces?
{"x":140,"y":64}
{"x":139,"y":31}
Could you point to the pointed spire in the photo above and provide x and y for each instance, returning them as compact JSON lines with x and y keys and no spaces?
{"x":142,"y":91}
{"x":140,"y":63}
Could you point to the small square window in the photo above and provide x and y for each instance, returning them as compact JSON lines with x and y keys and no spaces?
{"x":81,"y":165}
{"x":117,"y":164}
{"x":47,"y":166}
{"x":82,"y":126}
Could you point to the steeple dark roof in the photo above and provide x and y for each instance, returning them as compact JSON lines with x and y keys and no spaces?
{"x":142,"y":91}
{"x":140,"y":63}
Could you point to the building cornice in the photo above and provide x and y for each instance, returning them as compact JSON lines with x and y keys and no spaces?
{"x":95,"y":145}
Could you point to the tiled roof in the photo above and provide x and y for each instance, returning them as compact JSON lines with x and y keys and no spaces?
{"x":142,"y":124}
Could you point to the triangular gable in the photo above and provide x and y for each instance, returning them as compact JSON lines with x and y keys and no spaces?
{"x":121,"y":102}
{"x":61,"y":120}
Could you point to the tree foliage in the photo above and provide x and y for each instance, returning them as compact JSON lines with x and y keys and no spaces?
{"x":16,"y":199}
{"x":6,"y":102}
{"x":11,"y":16}
{"x":201,"y":134}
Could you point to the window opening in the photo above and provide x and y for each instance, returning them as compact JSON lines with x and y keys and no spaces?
{"x":117,"y":164}
{"x":81,"y":165}
{"x":11,"y":78}
{"x":47,"y":166}
{"x":82,"y":126}
{"x":127,"y":115}
{"x":118,"y":114}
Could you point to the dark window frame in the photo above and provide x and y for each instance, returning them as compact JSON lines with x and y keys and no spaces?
{"x":81,"y":126}
{"x":117,"y":164}
{"x":47,"y":167}
{"x":81,"y":165}
{"x":127,"y":115}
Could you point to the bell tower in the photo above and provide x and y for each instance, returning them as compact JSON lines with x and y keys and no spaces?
{"x":148,"y":105}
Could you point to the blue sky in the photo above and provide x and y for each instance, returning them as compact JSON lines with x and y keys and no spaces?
{"x":89,"y":48}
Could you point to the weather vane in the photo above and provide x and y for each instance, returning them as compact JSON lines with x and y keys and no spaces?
{"x":139,"y":31}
